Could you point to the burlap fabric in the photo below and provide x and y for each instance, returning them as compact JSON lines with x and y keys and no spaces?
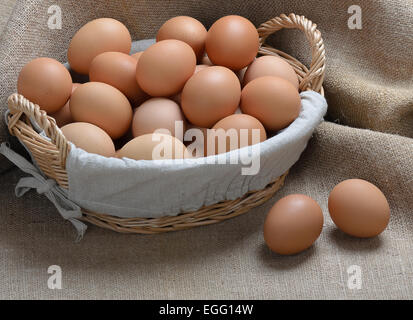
{"x":368,"y":85}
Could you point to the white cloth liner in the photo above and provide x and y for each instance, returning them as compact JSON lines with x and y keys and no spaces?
{"x":130,"y":188}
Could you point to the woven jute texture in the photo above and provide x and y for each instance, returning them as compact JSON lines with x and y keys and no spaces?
{"x":368,"y":85}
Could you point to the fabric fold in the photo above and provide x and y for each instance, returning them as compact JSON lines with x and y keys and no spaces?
{"x":67,"y":209}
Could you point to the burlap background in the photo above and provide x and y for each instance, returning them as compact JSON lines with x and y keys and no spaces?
{"x":368,"y":84}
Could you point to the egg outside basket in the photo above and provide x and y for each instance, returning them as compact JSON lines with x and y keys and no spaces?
{"x":50,"y":154}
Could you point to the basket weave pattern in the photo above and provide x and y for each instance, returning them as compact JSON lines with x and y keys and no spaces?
{"x":51,"y":155}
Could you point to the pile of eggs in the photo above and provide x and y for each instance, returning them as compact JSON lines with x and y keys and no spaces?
{"x":201,"y":79}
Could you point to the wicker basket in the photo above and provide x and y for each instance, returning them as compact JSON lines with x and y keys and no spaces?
{"x":51,"y":155}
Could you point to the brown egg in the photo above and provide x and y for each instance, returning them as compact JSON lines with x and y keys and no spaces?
{"x":102,"y":105}
{"x":63,"y":116}
{"x":45,"y":82}
{"x":89,"y":138}
{"x":231,"y":137}
{"x":164,"y":67}
{"x":186,"y":29}
{"x":95,"y":37}
{"x":271,"y":66}
{"x":118,"y":70}
{"x":210,"y":95}
{"x":153,"y":147}
{"x":359,"y":208}
{"x":177,"y":97}
{"x":137,"y":55}
{"x":232,"y":42}
{"x":272,"y":100}
{"x":293,"y":224}
{"x":158,"y":113}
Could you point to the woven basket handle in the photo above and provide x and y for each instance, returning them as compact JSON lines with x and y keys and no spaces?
{"x":19,"y":105}
{"x":312,"y":78}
